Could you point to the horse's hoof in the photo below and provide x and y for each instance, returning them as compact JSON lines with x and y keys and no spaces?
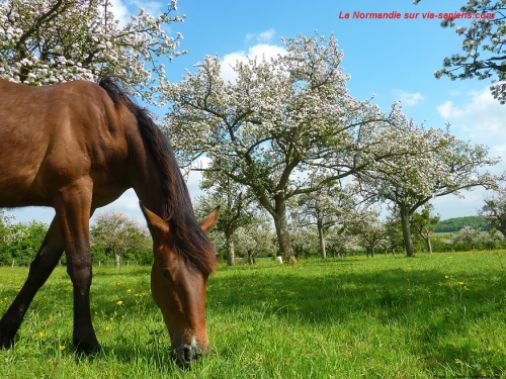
{"x":6,"y":340}
{"x":87,"y":348}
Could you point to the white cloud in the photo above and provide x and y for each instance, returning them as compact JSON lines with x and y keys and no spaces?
{"x":152,"y":7}
{"x":120,"y":11}
{"x":482,"y":119}
{"x":409,"y":99}
{"x":259,"y":51}
{"x":447,"y":110}
{"x":265,"y":36}
{"x":128,"y":200}
{"x":467,"y":204}
{"x":479,"y":119}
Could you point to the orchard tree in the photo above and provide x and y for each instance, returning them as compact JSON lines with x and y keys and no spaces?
{"x":494,"y":211}
{"x":234,"y":203}
{"x":483,"y":45}
{"x":304,"y":240}
{"x":423,"y":222}
{"x":439,"y":165}
{"x":370,"y":231}
{"x":254,"y":239}
{"x":393,"y":232}
{"x":51,"y":41}
{"x":23,"y":242}
{"x":285,"y":127}
{"x":5,"y":222}
{"x":329,"y":208}
{"x":116,"y":234}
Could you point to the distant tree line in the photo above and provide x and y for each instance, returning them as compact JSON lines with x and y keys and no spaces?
{"x":361,"y":233}
{"x":356,"y":229}
{"x":457,"y":223}
{"x":114,"y":239}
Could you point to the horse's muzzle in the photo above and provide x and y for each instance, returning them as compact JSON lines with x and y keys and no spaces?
{"x":187,"y":354}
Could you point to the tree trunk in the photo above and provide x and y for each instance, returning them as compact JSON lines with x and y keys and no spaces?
{"x":230,"y":249}
{"x":323,"y":243}
{"x":285,"y":247}
{"x":117,"y":260}
{"x":251,"y":257}
{"x":429,"y":244}
{"x":406,"y":232}
{"x":502,"y":228}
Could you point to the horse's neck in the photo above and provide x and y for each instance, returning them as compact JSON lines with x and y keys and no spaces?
{"x":149,"y":191}
{"x":146,"y":180}
{"x":157,"y":180}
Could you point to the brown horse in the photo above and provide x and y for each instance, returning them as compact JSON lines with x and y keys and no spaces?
{"x":76,"y":147}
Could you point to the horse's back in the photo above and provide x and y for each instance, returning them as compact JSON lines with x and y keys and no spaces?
{"x":49,"y":136}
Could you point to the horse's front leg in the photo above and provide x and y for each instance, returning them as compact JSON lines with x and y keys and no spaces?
{"x":40,"y":269}
{"x":73,"y":209}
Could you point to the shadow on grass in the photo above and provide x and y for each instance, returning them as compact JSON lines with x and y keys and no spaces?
{"x":440,"y":307}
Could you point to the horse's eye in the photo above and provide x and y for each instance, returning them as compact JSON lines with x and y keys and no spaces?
{"x":166,"y":274}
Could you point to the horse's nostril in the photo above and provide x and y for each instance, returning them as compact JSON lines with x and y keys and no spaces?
{"x":187,"y":354}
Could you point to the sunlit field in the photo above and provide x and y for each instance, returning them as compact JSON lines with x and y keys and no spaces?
{"x":442,"y":315}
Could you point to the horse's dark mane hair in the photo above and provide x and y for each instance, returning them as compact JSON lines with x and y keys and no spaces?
{"x":190,"y":241}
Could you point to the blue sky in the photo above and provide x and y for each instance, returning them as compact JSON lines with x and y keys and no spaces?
{"x":388,"y":59}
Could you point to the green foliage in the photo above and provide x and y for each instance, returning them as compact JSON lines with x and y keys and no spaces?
{"x":426,"y":317}
{"x":394,"y":234}
{"x":305,"y":242}
{"x":494,"y":211}
{"x":457,"y":223}
{"x":257,"y":239}
{"x":468,"y":239}
{"x":20,"y":242}
{"x":114,"y":235}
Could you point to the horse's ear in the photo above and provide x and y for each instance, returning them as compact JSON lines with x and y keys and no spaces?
{"x":156,"y":224}
{"x":210,"y":221}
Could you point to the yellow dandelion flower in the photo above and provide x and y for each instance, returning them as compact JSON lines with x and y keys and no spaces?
{"x":61,"y":347}
{"x":119,"y":302}
{"x":41,"y":334}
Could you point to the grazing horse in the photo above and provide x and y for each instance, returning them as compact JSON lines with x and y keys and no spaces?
{"x":76,"y":147}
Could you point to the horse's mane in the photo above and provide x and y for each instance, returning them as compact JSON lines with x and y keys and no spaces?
{"x":190,"y":241}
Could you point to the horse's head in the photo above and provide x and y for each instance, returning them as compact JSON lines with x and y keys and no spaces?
{"x":179,"y":289}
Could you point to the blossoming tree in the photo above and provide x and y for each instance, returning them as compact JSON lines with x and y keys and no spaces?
{"x":46,"y":42}
{"x":439,"y":164}
{"x":483,"y":45}
{"x":235,"y":204}
{"x":331,"y":209}
{"x":285,"y":127}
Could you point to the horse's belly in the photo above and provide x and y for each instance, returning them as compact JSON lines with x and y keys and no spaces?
{"x":19,"y":190}
{"x":19,"y":166}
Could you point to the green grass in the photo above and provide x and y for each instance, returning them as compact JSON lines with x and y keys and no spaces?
{"x":443,"y":315}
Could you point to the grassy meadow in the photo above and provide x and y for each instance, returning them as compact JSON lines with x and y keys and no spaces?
{"x":387,"y":317}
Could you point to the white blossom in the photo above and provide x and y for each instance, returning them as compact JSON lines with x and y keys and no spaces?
{"x":46,"y":42}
